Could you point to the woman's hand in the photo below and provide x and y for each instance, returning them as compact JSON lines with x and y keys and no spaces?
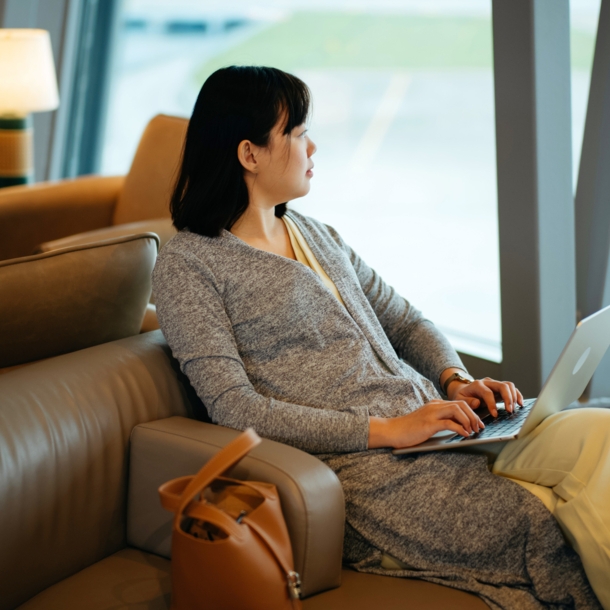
{"x":484,"y":392}
{"x":419,"y":426}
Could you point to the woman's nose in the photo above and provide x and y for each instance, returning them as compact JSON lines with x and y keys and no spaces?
{"x":311,"y":149}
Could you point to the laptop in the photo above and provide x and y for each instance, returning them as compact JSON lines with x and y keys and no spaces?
{"x":566,"y":383}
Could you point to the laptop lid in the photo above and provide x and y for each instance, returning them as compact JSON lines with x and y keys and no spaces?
{"x":573,"y":369}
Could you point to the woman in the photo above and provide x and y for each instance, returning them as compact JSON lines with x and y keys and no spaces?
{"x":280,"y":326}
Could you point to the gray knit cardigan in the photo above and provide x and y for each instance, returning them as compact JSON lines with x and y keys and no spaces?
{"x":266,"y":344}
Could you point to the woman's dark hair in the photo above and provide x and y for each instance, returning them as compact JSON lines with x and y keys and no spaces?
{"x":236,"y":103}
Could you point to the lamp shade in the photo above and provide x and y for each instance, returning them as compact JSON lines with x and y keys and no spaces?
{"x":27,"y":72}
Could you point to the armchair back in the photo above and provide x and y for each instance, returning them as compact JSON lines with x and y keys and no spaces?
{"x":149,"y":183}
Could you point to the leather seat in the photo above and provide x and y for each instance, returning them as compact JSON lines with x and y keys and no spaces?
{"x":69,"y":299}
{"x":135,"y":579}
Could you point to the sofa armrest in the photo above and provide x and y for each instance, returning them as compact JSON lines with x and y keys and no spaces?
{"x":161,"y":226}
{"x":30,"y":215}
{"x":310,"y":493}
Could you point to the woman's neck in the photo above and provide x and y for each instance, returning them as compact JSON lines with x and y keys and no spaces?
{"x":257,"y":222}
{"x":260,"y":228}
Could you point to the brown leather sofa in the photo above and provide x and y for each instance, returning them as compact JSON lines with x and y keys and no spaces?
{"x":85,"y":440}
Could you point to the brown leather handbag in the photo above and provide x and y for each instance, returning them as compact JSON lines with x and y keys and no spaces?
{"x":230,"y":544}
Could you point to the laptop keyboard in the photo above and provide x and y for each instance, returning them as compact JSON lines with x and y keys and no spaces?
{"x":506,"y":424}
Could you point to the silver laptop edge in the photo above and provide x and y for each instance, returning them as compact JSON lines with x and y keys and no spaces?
{"x":566,"y":383}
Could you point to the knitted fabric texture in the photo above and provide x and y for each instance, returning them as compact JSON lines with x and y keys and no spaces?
{"x":266,"y":344}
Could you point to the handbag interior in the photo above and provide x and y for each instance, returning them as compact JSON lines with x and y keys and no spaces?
{"x":231,"y":497}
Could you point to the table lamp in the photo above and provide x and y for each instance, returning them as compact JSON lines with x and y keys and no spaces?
{"x":27,"y":84}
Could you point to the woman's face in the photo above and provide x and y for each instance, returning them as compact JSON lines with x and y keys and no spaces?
{"x":285,"y":165}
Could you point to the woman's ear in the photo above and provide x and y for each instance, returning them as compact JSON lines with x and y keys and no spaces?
{"x":247,"y":153}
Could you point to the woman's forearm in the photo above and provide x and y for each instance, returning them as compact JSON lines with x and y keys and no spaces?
{"x":419,"y":425}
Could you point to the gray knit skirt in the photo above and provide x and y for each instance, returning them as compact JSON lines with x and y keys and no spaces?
{"x":453,"y":522}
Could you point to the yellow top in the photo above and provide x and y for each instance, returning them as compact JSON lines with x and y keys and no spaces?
{"x":304,"y":255}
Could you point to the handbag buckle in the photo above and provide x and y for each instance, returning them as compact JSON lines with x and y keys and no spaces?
{"x":294,"y":584}
{"x":242,"y":514}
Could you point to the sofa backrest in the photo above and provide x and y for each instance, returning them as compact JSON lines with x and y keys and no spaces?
{"x":64,"y":433}
{"x":149,"y":183}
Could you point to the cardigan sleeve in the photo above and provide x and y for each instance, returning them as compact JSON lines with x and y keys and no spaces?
{"x":198,"y":330}
{"x":414,"y":338}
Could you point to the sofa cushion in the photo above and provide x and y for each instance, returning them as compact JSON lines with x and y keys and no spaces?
{"x":132,"y":579}
{"x":64,"y":434}
{"x":127,"y":579}
{"x":369,"y":591}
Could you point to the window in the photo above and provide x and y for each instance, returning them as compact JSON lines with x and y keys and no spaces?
{"x":403,"y":119}
{"x":584,"y":15}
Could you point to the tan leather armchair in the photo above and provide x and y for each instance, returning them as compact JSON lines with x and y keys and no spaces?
{"x":86,"y":438}
{"x":69,"y":299}
{"x":31,"y":216}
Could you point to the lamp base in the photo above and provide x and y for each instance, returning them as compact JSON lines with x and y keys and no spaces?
{"x":12,"y":181}
{"x":16,"y":156}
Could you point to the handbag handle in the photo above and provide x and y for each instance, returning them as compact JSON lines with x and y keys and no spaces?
{"x":219,"y":463}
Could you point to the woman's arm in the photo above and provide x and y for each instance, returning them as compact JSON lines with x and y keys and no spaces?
{"x":417,"y":340}
{"x":416,"y":427}
{"x":198,"y":330}
{"x":414,"y":338}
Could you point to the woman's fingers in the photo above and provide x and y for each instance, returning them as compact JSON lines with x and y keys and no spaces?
{"x":486,"y":390}
{"x":475,"y":421}
{"x":449,"y":424}
{"x":519,"y":397}
{"x":473,"y":401}
{"x":502,"y":388}
{"x":482,"y":390}
{"x":460,"y":412}
{"x":513,"y":391}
